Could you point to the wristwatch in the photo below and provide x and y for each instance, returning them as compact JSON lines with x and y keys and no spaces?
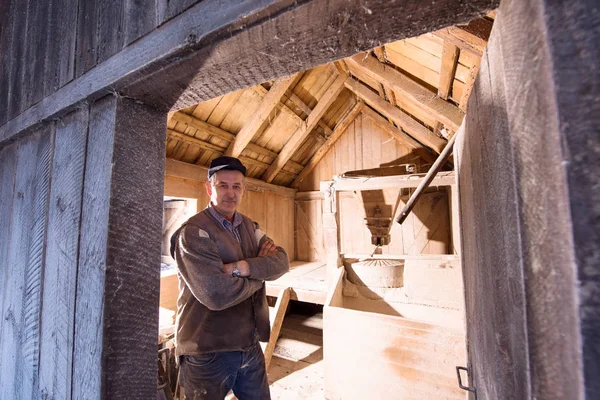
{"x":236,"y":272}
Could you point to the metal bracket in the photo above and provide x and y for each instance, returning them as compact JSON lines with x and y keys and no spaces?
{"x":460,"y":385}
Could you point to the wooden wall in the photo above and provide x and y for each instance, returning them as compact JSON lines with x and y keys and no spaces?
{"x":48,"y":44}
{"x":274,"y":212}
{"x":64,"y":227}
{"x":528,"y":163}
{"x":365,"y":145}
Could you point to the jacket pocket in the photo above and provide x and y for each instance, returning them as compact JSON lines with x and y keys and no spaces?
{"x":201,"y":360}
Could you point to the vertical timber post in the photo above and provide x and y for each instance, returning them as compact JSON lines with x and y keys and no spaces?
{"x":116,"y":316}
{"x":330,"y":230}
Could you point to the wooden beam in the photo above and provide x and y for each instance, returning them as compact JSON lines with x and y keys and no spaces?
{"x":306,"y":110}
{"x":472,"y":37}
{"x":449,"y":62}
{"x":298,"y":137}
{"x":468,"y":87}
{"x":340,"y":128}
{"x":405,"y":121}
{"x":441,"y":110}
{"x":202,"y":126}
{"x":194,"y":141}
{"x":445,"y":178}
{"x":198,"y":173}
{"x":341,"y":67}
{"x":256,"y":121}
{"x":209,"y":129}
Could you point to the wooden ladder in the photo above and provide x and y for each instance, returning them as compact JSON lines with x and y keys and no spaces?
{"x":280,"y":308}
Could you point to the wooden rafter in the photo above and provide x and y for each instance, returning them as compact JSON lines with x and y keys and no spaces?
{"x":472,"y":37}
{"x":202,"y":126}
{"x":340,"y":128}
{"x":253,"y":125}
{"x":306,"y":110}
{"x":209,"y":129}
{"x":403,"y":120}
{"x":449,"y":62}
{"x":311,"y":121}
{"x":298,"y":102}
{"x":194,"y":141}
{"x":441,"y":110}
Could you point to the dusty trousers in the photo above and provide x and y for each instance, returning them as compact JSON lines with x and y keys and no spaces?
{"x":211,"y":376}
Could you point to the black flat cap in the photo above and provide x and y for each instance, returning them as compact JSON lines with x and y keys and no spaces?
{"x":225,"y":163}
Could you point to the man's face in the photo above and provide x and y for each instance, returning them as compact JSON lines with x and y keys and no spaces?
{"x":226,"y":191}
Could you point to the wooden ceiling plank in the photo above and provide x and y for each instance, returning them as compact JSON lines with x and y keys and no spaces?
{"x":218,"y":132}
{"x":392,"y":130}
{"x":441,"y":110}
{"x":252,"y":126}
{"x":448,"y":69}
{"x":194,"y":141}
{"x":412,"y":127}
{"x":202,"y":126}
{"x":340,"y":128}
{"x":313,"y":119}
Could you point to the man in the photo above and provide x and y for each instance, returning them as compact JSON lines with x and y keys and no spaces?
{"x":223,"y":259}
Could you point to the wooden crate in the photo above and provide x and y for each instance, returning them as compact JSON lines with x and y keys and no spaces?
{"x":405,"y":346}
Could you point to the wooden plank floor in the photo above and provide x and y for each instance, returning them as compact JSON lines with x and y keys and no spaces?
{"x":307,"y":280}
{"x":297,"y":365}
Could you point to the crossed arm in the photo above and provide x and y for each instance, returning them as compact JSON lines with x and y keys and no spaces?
{"x":211,"y":282}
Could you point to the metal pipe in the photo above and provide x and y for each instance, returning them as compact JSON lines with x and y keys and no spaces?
{"x":435,"y":168}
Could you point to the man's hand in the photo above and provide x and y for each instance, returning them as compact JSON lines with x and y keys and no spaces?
{"x":268,"y":248}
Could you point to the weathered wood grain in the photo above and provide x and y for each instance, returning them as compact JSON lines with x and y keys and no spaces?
{"x":35,"y":51}
{"x":16,"y":56}
{"x":167,"y":9}
{"x":91,"y":270}
{"x":124,"y":191}
{"x":86,"y":37}
{"x":60,"y":54}
{"x":62,"y":245}
{"x":574,"y":34}
{"x":23,"y":282}
{"x":525,"y":231}
{"x":7,"y":21}
{"x":8,"y":167}
{"x":111,"y":29}
{"x":140,"y":18}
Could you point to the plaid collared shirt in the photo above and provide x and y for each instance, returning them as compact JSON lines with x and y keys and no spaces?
{"x":234,"y":228}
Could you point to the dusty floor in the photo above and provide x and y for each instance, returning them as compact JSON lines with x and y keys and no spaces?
{"x":297,"y":367}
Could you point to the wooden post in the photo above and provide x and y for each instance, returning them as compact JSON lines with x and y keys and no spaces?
{"x":116,"y":319}
{"x":330,"y":230}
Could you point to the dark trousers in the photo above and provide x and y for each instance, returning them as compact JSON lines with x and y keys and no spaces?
{"x":211,"y":376}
